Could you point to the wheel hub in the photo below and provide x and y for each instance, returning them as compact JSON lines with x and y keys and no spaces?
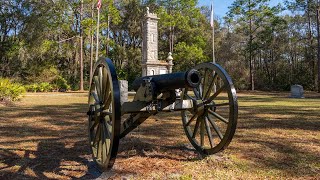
{"x":199,"y":107}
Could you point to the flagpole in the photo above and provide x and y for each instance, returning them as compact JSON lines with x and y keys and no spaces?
{"x":108,"y":37}
{"x":98,"y":23}
{"x":213,"y":56}
{"x":212,"y":16}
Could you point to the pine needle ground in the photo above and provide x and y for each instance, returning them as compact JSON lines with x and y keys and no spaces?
{"x":45,"y":136}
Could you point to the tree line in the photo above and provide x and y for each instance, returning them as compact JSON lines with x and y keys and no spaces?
{"x":263,"y":47}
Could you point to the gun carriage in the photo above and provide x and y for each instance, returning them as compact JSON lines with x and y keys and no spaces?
{"x":205,"y":95}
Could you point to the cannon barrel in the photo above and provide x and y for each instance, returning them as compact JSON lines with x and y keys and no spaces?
{"x":171,"y":81}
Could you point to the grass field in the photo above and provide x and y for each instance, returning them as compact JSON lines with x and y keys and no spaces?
{"x":45,"y":136}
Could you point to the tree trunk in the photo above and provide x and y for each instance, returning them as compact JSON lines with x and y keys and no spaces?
{"x":313,"y":60}
{"x":81,"y":48}
{"x":97,"y":36}
{"x":250,"y":52}
{"x":318,"y":38}
{"x":108,"y":37}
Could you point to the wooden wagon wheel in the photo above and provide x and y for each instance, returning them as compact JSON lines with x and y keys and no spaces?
{"x":210,"y":126}
{"x":104,"y":114}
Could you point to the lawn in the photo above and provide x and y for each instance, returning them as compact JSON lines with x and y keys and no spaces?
{"x":45,"y":136}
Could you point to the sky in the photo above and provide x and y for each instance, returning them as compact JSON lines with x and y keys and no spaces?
{"x":221,"y":6}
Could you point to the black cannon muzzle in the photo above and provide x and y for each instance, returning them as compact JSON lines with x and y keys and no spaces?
{"x":171,"y":81}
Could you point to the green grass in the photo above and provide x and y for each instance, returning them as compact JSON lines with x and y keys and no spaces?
{"x":45,"y":136}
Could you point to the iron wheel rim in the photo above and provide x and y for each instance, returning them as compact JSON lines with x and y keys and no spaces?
{"x":104,"y":114}
{"x":201,"y":122}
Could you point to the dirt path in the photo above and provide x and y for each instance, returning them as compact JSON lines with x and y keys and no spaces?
{"x":44,"y":137}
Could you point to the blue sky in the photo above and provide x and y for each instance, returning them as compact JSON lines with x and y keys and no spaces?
{"x":221,"y":6}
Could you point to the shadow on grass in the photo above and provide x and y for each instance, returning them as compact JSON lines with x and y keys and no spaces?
{"x":137,"y":146}
{"x":281,"y":138}
{"x":49,"y":160}
{"x":45,"y":141}
{"x":284,"y":118}
{"x":282,"y":155}
{"x":51,"y":141}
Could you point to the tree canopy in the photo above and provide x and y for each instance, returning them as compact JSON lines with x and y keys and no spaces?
{"x":262,"y":47}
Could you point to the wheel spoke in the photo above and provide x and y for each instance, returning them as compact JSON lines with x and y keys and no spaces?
{"x":109,"y":123}
{"x":202,"y":132}
{"x":97,"y":113}
{"x":104,"y":144}
{"x":99,"y":149}
{"x":218,"y":116}
{"x":101,"y":83}
{"x":217,"y":105}
{"x":208,"y":92}
{"x":108,"y":139}
{"x":190,"y":96}
{"x":96,"y":136}
{"x":192,"y":118}
{"x":209,"y":131}
{"x":98,"y":86}
{"x":196,"y":93}
{"x":108,"y":119}
{"x":94,"y":118}
{"x":215,"y":94}
{"x":205,"y":79}
{"x":107,"y":101}
{"x":105,"y":84}
{"x":200,"y":90}
{"x":95,"y":96}
{"x":108,"y":135}
{"x":106,"y":113}
{"x":106,"y":126}
{"x":94,"y":124}
{"x":196,"y":128}
{"x":215,"y":127}
{"x":100,"y":75}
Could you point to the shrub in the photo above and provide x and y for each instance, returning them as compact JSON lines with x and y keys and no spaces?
{"x":32,"y":88}
{"x":60,"y":84}
{"x":10,"y":91}
{"x":39,"y":87}
{"x":45,"y":87}
{"x":41,"y":74}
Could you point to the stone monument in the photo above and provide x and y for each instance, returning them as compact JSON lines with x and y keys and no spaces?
{"x":150,"y":63}
{"x":296,"y":91}
{"x":123,"y":85}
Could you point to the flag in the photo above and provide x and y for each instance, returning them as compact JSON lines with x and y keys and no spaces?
{"x":99,"y":4}
{"x":211,"y":16}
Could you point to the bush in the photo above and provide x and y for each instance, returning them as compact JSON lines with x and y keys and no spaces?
{"x":41,"y":74}
{"x":39,"y":87}
{"x":10,"y":91}
{"x":32,"y":88}
{"x":60,"y":84}
{"x":45,"y":87}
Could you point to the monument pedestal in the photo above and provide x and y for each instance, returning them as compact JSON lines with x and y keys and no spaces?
{"x":150,"y":63}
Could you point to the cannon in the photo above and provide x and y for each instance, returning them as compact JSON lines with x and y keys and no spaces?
{"x":205,"y":95}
